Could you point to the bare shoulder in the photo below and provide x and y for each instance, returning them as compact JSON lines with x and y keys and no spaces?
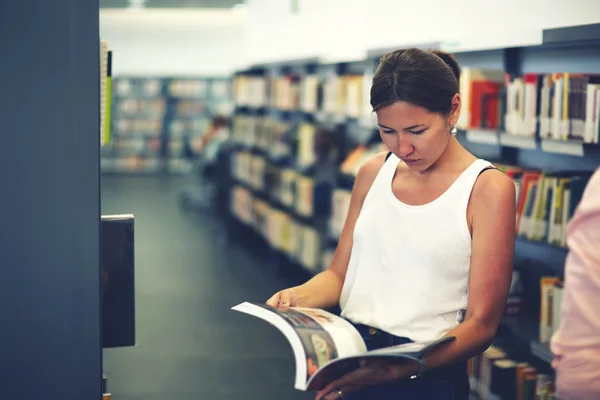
{"x":367,"y":173}
{"x":494,"y":189}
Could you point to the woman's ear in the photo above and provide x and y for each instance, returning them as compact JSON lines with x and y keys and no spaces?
{"x":454,"y":110}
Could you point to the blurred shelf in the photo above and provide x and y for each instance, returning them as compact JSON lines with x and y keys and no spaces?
{"x":569,"y":147}
{"x":520,"y":142}
{"x":542,"y":351}
{"x":580,"y":34}
{"x":483,"y":136}
{"x":540,"y":254}
{"x":527,"y":330}
{"x":491,"y":137}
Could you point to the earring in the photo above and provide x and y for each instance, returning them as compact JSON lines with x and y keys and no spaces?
{"x":453,"y":130}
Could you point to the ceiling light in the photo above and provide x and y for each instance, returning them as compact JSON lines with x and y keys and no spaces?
{"x":136,"y":5}
{"x":240,"y":8}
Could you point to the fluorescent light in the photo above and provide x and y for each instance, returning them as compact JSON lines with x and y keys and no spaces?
{"x":240,"y":8}
{"x":136,"y":5}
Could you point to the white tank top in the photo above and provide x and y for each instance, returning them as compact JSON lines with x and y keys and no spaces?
{"x":408,"y":273}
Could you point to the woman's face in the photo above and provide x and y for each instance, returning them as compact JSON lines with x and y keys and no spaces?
{"x":414,"y":134}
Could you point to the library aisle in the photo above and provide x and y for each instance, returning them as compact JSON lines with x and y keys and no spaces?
{"x":189,"y":344}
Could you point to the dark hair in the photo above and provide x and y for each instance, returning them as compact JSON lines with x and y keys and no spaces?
{"x":219,"y":121}
{"x":429,"y":79}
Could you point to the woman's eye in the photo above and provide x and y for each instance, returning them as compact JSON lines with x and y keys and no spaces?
{"x":388,"y":132}
{"x":417,"y":132}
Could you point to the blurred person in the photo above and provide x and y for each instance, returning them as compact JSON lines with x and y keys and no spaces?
{"x":427,"y":247}
{"x":208,"y":144}
{"x":576,"y":343}
{"x":209,"y":150}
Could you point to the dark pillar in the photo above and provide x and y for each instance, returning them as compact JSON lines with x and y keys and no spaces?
{"x":50,"y":345}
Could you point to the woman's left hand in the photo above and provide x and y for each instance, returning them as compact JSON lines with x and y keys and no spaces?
{"x":370,"y":373}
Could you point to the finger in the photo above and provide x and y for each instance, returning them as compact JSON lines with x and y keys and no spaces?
{"x":285,"y":300}
{"x":347,"y":382}
{"x":333,"y":396}
{"x":274,"y":300}
{"x":335,"y":393}
{"x":333,"y":387}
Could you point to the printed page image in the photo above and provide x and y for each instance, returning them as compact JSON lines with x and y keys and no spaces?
{"x":346,"y":338}
{"x":331,"y":372}
{"x":319,"y":348}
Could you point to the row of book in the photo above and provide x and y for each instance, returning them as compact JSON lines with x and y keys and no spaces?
{"x":564,"y":105}
{"x":494,"y":375}
{"x":301,"y":242}
{"x":561,"y":106}
{"x":286,"y":186}
{"x":150,"y":108}
{"x":344,"y":95}
{"x":158,"y":122}
{"x":305,"y":142}
{"x":266,"y":133}
{"x":546,"y":202}
{"x":191,"y":88}
{"x":147,"y":147}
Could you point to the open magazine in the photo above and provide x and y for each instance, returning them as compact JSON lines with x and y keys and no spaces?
{"x":325,"y":346}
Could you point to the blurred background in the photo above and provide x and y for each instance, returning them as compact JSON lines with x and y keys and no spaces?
{"x":233,"y":132}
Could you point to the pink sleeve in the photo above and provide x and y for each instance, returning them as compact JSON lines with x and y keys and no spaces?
{"x":576,"y":344}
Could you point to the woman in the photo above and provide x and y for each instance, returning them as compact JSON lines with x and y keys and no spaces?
{"x":427,"y":246}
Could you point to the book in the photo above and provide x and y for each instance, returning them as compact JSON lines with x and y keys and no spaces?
{"x":325,"y":346}
{"x":547,"y":285}
{"x":493,"y":375}
{"x":103,"y":88}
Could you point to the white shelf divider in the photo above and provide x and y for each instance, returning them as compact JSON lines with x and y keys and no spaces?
{"x":483,"y":136}
{"x":570,"y":147}
{"x":522,"y":142}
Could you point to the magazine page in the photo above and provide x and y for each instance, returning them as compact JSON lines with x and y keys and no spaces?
{"x":316,"y":336}
{"x":410,"y":350}
{"x":335,"y":369}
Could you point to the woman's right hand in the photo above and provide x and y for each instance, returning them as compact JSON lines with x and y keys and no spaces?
{"x":284,"y":299}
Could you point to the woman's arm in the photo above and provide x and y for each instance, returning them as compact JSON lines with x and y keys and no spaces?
{"x":325,"y":288}
{"x":492,"y":207}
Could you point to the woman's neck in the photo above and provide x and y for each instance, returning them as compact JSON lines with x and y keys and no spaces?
{"x":451,"y":157}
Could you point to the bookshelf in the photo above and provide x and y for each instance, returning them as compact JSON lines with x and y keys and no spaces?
{"x":137,"y":119}
{"x":156,"y":122}
{"x":552,"y":140}
{"x":191,"y":103}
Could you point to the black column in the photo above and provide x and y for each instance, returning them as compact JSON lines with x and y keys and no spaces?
{"x":50,"y":345}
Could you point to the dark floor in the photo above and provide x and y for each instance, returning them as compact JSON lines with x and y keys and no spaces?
{"x":190,"y":345}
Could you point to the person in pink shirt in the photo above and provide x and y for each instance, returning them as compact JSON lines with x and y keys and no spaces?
{"x":576,"y":344}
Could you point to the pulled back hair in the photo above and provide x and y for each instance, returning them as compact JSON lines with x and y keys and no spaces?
{"x":429,"y":79}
